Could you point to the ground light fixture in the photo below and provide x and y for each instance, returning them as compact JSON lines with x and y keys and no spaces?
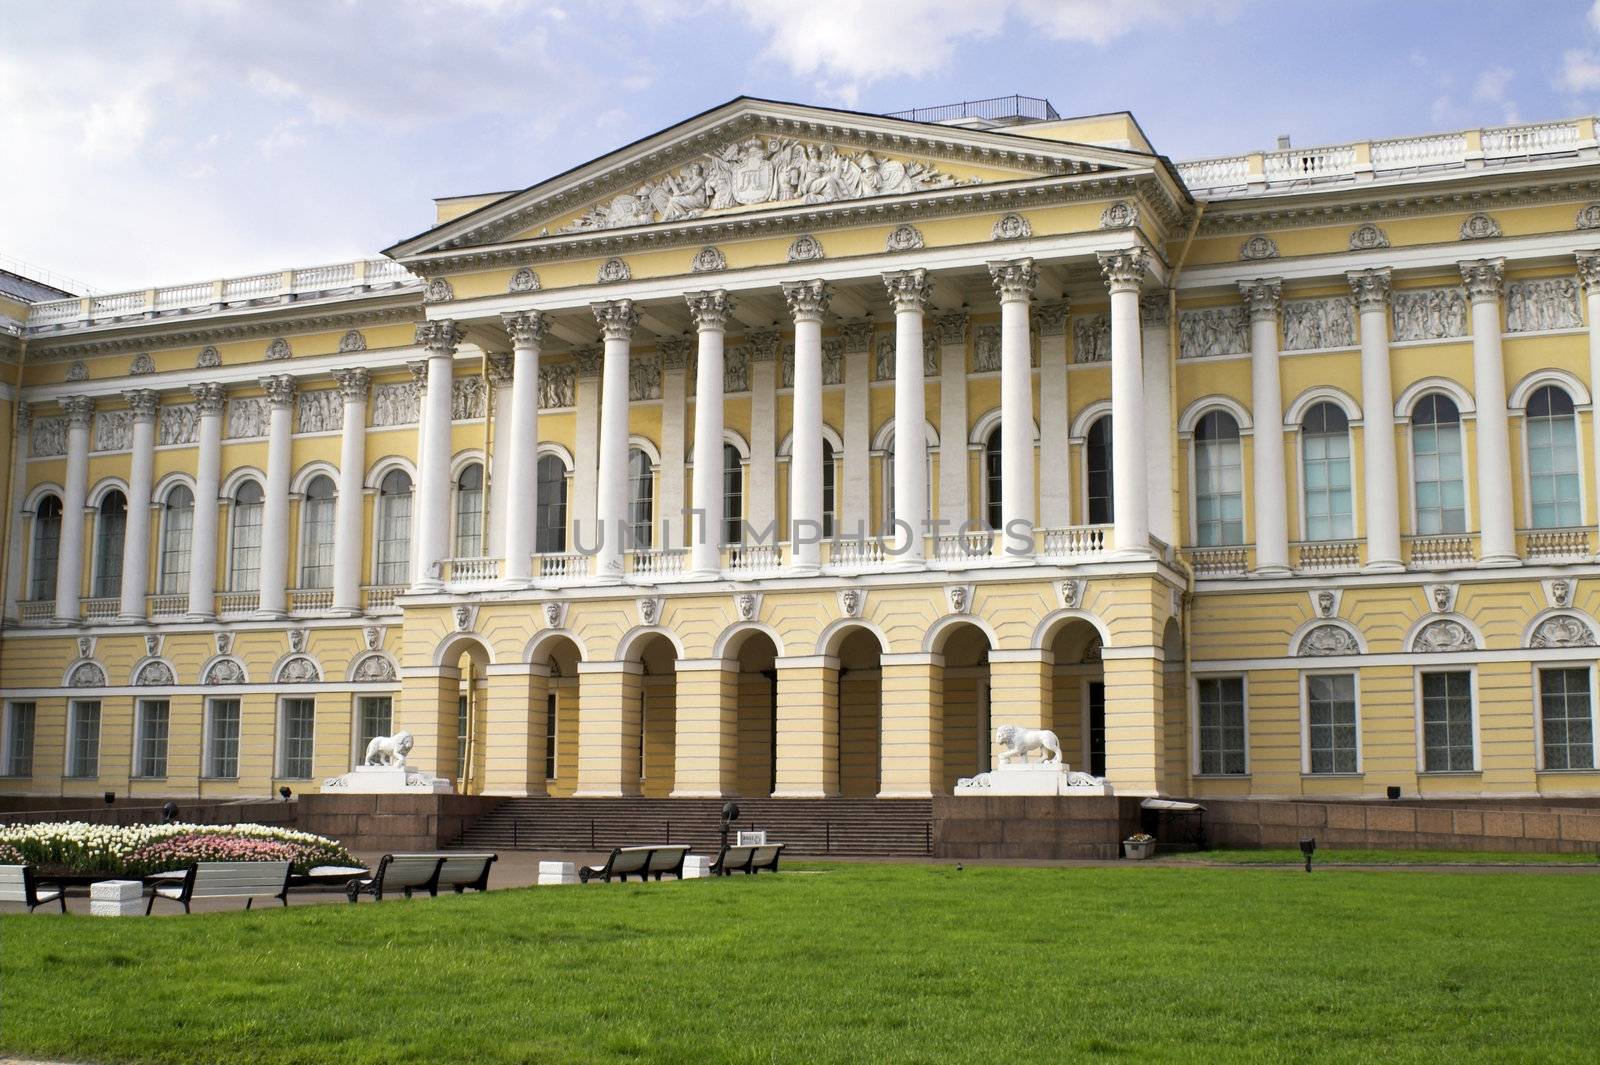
{"x":1308,"y":847}
{"x":1394,"y":792}
{"x":284,"y":793}
{"x":110,"y":797}
{"x":169,"y":811}
{"x":730,"y":814}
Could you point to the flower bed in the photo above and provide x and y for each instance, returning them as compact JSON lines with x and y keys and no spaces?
{"x":77,"y":848}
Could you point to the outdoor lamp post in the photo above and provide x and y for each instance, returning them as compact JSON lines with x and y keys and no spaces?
{"x":284,"y":793}
{"x":730,"y":814}
{"x":1308,"y":847}
{"x":169,"y":811}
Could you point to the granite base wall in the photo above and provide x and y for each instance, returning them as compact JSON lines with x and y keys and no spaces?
{"x":998,"y":826}
{"x":1465,"y":826}
{"x":380,"y":823}
{"x":36,"y":809}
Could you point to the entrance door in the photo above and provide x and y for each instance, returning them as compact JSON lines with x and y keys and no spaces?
{"x":1097,"y":728}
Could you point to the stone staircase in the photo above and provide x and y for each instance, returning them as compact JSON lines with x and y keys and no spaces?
{"x":811,"y":827}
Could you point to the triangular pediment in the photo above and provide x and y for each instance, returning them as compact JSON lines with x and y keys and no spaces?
{"x":752,"y":156}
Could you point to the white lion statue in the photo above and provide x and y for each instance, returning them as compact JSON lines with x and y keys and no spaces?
{"x":390,"y":750}
{"x":1020,"y":742}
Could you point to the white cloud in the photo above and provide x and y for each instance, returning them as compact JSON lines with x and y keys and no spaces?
{"x":1594,"y":16}
{"x":1491,"y":85}
{"x":1580,"y":71}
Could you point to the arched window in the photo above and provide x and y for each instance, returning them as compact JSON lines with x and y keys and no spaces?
{"x":1552,"y":429}
{"x":1325,"y":458}
{"x":992,"y":501}
{"x":110,"y":526}
{"x":1436,"y":467}
{"x":888,"y":484}
{"x":244,"y":538}
{"x":469,"y":512}
{"x":827,"y":489}
{"x":1097,"y":463}
{"x":551,"y":535}
{"x":641,"y":499}
{"x":1218,"y":481}
{"x":46,"y":548}
{"x":393,"y":552}
{"x":316,"y":534}
{"x":732,"y":496}
{"x":177,"y":539}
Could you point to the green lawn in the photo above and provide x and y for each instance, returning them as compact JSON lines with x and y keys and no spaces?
{"x":857,"y":963}
{"x":1332,"y":856}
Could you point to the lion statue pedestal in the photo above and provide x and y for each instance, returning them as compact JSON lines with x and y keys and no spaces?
{"x":385,"y":772}
{"x":1017,"y":775}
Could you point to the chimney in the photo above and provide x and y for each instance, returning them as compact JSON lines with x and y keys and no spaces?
{"x":1283,"y":142}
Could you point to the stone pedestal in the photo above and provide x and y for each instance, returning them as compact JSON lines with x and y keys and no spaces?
{"x":558,"y":873}
{"x":116,"y":898}
{"x":1033,"y":778}
{"x":386,"y":780}
{"x":696,"y":865}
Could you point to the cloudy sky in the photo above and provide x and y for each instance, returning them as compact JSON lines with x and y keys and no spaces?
{"x":151,"y":143}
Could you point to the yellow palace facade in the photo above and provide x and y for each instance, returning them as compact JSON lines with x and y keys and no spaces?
{"x":789,"y":451}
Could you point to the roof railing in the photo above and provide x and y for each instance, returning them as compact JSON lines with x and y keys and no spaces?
{"x":994,"y":109}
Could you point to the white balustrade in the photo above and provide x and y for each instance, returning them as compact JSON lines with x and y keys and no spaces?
{"x":254,"y":287}
{"x":1075,"y":542}
{"x":1309,"y":163}
{"x":1219,"y":561}
{"x":754,"y":558}
{"x":858,"y":554}
{"x":238,"y":602}
{"x":659,"y":564}
{"x":53,"y":312}
{"x":191,"y":297}
{"x":1404,"y":153}
{"x":1539,"y":139}
{"x":304,"y":599}
{"x":1432,"y":552}
{"x":117,"y":305}
{"x":101,"y":609}
{"x":1323,"y":556}
{"x":168,"y":606}
{"x":1215,"y":173}
{"x":562,"y":568}
{"x":321,"y":278}
{"x":382,"y":596}
{"x":1552,"y":544}
{"x":474,"y":570}
{"x":967,"y":547}
{"x":34,"y":611}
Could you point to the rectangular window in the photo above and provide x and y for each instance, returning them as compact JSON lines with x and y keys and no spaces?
{"x":1331,"y":744}
{"x":375,"y":717}
{"x":19,"y":739}
{"x":316,"y":542}
{"x":461,"y":737}
{"x":1221,"y":733}
{"x":177,"y":542}
{"x":154,"y":718}
{"x":1566,"y":713}
{"x":299,"y":728}
{"x":83,"y":735}
{"x":550,"y":736}
{"x":222,"y":738}
{"x":1447,"y":745}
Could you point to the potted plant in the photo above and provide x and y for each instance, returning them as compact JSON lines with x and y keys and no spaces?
{"x":1139,"y":846}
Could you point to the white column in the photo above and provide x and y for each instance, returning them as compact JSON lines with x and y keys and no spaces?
{"x":1013,"y":283}
{"x":16,"y":580}
{"x":1381,"y":492}
{"x":909,"y":291}
{"x":143,"y":402}
{"x":671,"y":499}
{"x":1156,"y":335}
{"x":710,"y":310}
{"x":275,"y":531}
{"x":581,"y":522}
{"x":520,"y":445}
{"x":808,"y":302}
{"x":617,"y":319}
{"x":1589,"y":271}
{"x":1498,"y":543}
{"x":1124,"y":274}
{"x":210,"y":401}
{"x":1055,"y":483}
{"x":69,"y":564}
{"x":855,"y":488}
{"x":761,"y":485}
{"x":349,"y":528}
{"x":498,"y":372}
{"x":433,"y":473}
{"x":1264,"y":295}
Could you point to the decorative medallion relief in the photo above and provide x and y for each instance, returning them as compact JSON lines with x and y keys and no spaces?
{"x":87,"y":675}
{"x":1321,"y":323}
{"x":279,"y":349}
{"x":78,"y":371}
{"x":1367,"y":238}
{"x":1429,"y":313}
{"x":1589,"y":217}
{"x":524,"y":280}
{"x":708,"y":260}
{"x":1120,"y":215}
{"x":374,"y":667}
{"x":395,"y":403}
{"x":1479,"y":227}
{"x":904,"y":238}
{"x":1259,"y":246}
{"x":48,"y":437}
{"x":612,"y":271}
{"x":177,"y":424}
{"x":555,"y":613}
{"x":1011,"y":227}
{"x":1091,"y":338}
{"x":1213,"y":331}
{"x":760,"y":170}
{"x":1562,"y":630}
{"x":1444,"y":635}
{"x":352,"y":341}
{"x":1543,"y":304}
{"x":1071,"y":592}
{"x":805,"y":249}
{"x":142,"y":364}
{"x":301,"y":669}
{"x":1326,"y":640}
{"x":224,"y":671}
{"x":439,"y":290}
{"x":208,"y":359}
{"x":852,"y":601}
{"x":155,"y":674}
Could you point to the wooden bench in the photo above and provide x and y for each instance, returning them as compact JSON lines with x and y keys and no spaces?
{"x":748,"y":858}
{"x":18,"y":885}
{"x":399,"y":872}
{"x":462,"y":871}
{"x":226,"y":880}
{"x":643,"y":862}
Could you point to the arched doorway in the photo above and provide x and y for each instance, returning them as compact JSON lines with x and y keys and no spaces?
{"x":860,"y":713}
{"x":658,"y":702}
{"x":458,"y":711}
{"x":756,"y":714}
{"x":1079,"y":695}
{"x":968,"y":728}
{"x":558,"y":703}
{"x":1175,"y":702}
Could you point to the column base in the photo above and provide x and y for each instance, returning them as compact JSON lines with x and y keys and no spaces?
{"x":606,"y":794}
{"x":199,"y":617}
{"x":805,"y":569}
{"x":342,"y":612}
{"x":905,"y":564}
{"x":702,"y":575}
{"x":126,"y":619}
{"x":805,"y":794}
{"x":1498,"y":561}
{"x":905,"y":794}
{"x":63,"y":623}
{"x":1272,"y":571}
{"x":692,"y":794}
{"x":270,"y":615}
{"x":1130,"y":554}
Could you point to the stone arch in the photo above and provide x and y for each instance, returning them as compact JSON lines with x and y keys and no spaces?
{"x":158,"y":495}
{"x":829,"y":434}
{"x":731,"y":638}
{"x":453,"y":646}
{"x":627,"y":647}
{"x":373,"y":666}
{"x":37,"y":495}
{"x":1296,"y":412}
{"x":1432,"y":633}
{"x":1086,"y":418}
{"x":101,"y":487}
{"x":1190,"y":418}
{"x":832,"y":637}
{"x":236,"y":479}
{"x":224,"y":669}
{"x":1308,"y":642}
{"x":153,"y":672}
{"x":1046,"y":631}
{"x":544,"y":642}
{"x":648,"y":446}
{"x":550,"y":447}
{"x":311,"y":471}
{"x":985,"y":424}
{"x":379,"y":469}
{"x":1560,"y":628}
{"x":297,"y":668}
{"x":939,"y":632}
{"x":1567,"y":382}
{"x":884,"y":437}
{"x":1417,"y":389}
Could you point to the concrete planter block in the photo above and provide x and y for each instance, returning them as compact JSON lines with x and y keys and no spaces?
{"x":696,"y":865}
{"x":116,"y":891}
{"x":558,"y":873}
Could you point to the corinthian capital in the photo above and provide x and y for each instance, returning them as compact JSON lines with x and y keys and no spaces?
{"x":209,"y":398}
{"x":763,"y":345}
{"x":353,"y":384}
{"x":616,"y":318}
{"x":440,"y":337}
{"x":1370,"y":288}
{"x":857,"y":335}
{"x":952,"y":328}
{"x":1263,"y":296}
{"x":1153,"y":310}
{"x":79,"y":409}
{"x":807,"y":299}
{"x":143,"y":402}
{"x":1124,"y":270}
{"x":674,"y":352}
{"x":280,"y":389}
{"x":586,"y":362}
{"x":710,"y":308}
{"x":1050,"y":319}
{"x":909,"y":290}
{"x":1589,"y":269}
{"x":1484,"y":278}
{"x":1014,"y":279}
{"x":527,"y":328}
{"x":501,"y":370}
